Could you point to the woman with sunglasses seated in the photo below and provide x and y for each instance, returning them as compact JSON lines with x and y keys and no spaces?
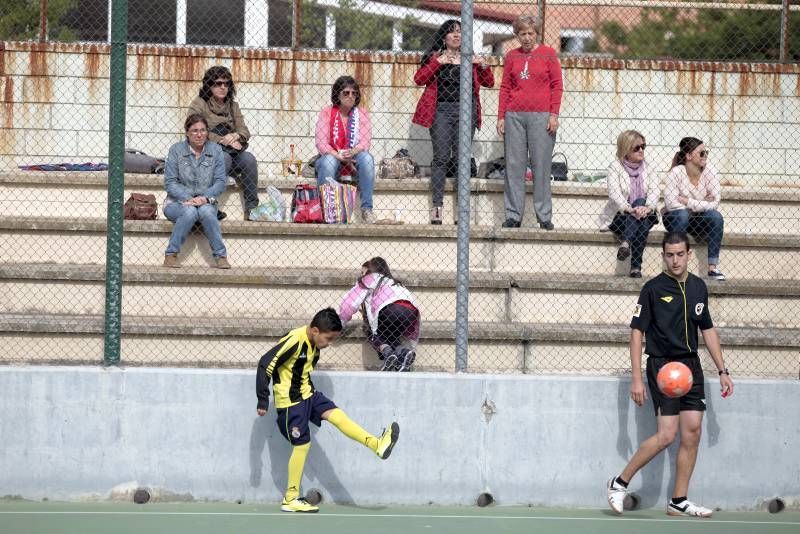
{"x":226,"y":126}
{"x":343,"y":136}
{"x":633,"y":193}
{"x":691,"y":199}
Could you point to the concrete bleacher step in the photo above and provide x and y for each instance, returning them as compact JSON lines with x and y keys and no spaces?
{"x":239,"y":342}
{"x":412,"y":247}
{"x":554,"y":298}
{"x":575,"y":205}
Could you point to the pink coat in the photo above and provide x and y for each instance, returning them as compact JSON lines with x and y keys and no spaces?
{"x":377,"y":292}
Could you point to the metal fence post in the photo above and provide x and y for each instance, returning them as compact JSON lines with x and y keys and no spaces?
{"x":784,"y":52}
{"x":116,"y":179}
{"x":464,"y":154}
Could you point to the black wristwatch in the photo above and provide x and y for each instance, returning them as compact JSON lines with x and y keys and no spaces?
{"x":724,"y":372}
{"x":211,"y":200}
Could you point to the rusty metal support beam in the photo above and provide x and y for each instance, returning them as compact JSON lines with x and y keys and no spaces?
{"x":42,"y":21}
{"x":541,"y":12}
{"x":297,"y":16}
{"x":784,"y":53}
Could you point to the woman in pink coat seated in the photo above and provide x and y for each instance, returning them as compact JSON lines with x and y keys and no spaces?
{"x":390,"y":312}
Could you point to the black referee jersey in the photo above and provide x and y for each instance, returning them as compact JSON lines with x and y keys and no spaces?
{"x":669,"y":312}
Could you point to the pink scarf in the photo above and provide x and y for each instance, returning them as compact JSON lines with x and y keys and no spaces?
{"x":636,"y":173}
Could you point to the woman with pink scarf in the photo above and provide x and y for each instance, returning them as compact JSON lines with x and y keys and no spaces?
{"x":343,"y":137}
{"x":390,"y":314}
{"x":633,"y":193}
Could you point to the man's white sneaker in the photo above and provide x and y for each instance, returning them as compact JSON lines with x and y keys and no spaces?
{"x":616,"y":495}
{"x":688,"y":508}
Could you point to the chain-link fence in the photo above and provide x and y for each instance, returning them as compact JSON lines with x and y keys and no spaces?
{"x":540,"y":300}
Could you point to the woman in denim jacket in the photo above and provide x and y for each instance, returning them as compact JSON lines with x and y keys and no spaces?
{"x":194,"y":175}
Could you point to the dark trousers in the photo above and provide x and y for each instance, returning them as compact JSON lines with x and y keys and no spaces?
{"x":634,"y":231}
{"x":444,"y":138}
{"x":244,"y":168}
{"x":395,"y":323}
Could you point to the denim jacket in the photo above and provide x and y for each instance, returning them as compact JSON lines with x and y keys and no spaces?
{"x":185,"y":179}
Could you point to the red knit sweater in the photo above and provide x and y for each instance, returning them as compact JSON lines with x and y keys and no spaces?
{"x":538,"y":89}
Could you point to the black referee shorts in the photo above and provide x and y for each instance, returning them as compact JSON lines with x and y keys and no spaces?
{"x":695,"y":400}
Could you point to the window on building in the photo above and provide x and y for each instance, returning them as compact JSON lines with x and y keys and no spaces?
{"x":576,"y":41}
{"x":312,"y":33}
{"x":210,"y":22}
{"x":149,"y":21}
{"x":152,"y":21}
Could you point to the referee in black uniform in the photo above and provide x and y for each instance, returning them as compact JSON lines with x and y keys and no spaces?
{"x":671,"y":308}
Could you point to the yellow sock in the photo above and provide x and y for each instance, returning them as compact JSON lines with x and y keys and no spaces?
{"x":350,"y":429}
{"x":296,"y":463}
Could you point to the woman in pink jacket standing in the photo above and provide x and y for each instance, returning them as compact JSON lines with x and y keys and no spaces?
{"x":390,"y":312}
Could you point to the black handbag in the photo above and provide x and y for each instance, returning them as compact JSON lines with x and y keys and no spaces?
{"x":452,"y":168}
{"x":558,"y":169}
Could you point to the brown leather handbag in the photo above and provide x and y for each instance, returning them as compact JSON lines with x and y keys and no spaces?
{"x":140,"y":206}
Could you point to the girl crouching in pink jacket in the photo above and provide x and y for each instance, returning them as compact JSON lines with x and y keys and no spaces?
{"x":390,"y":313}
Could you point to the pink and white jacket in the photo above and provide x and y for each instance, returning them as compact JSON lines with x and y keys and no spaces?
{"x":376,"y":291}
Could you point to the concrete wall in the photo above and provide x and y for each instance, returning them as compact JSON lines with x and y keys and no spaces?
{"x":75,"y":433}
{"x":55,"y":105}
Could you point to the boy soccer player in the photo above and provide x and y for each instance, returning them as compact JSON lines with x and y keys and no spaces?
{"x":672,"y":306}
{"x":289,"y":365}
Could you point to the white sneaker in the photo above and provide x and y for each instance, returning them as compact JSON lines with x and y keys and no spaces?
{"x":616,"y":495}
{"x":688,"y":508}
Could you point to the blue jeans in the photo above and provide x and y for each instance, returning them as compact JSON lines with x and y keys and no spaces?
{"x":707,"y":226}
{"x":328,"y":166}
{"x":634,"y":231}
{"x":184,"y":218}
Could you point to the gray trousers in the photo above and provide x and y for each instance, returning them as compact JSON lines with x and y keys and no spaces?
{"x":527,"y":144}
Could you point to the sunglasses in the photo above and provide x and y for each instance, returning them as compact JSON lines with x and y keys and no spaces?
{"x":704,"y":153}
{"x":349,"y":93}
{"x":637,"y":148}
{"x":222,"y":83}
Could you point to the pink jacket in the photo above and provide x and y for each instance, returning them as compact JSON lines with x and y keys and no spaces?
{"x":323,"y":131}
{"x":704,"y":197}
{"x":380,"y":291}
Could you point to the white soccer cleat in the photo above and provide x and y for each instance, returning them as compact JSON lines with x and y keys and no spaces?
{"x":616,"y":495}
{"x":688,"y":508}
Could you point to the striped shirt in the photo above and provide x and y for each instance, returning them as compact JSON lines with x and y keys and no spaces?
{"x":288,"y":364}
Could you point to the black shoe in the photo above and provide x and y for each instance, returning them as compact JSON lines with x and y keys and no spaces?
{"x":636,"y":274}
{"x":511,"y":223}
{"x":716,"y":274}
{"x":221,"y":215}
{"x":547,"y":225}
{"x":623,"y":252}
{"x":407,"y":357}
{"x":391,"y":363}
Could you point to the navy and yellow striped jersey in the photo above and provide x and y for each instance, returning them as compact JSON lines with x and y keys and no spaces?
{"x":288,"y":364}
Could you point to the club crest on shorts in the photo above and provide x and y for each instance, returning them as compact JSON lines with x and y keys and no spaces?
{"x":295,"y":432}
{"x":698,"y":308}
{"x":637,"y":311}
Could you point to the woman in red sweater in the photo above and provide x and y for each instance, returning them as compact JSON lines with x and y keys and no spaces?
{"x":530,"y":99}
{"x":438,"y":107}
